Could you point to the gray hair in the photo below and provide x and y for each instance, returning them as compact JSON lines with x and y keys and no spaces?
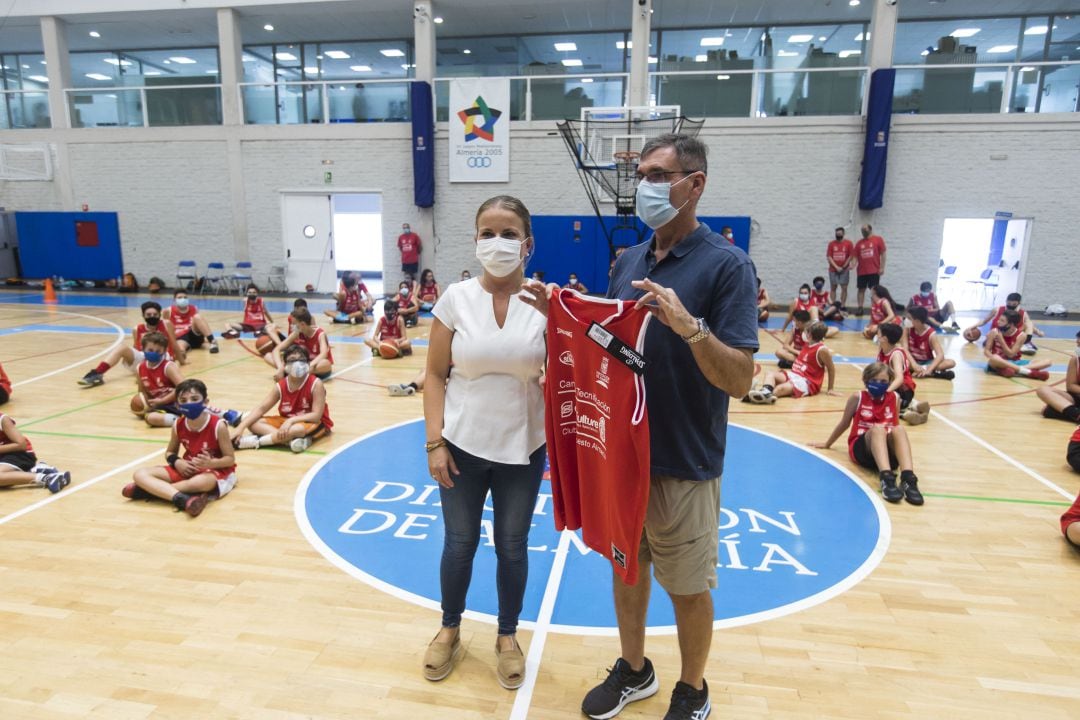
{"x":691,"y":152}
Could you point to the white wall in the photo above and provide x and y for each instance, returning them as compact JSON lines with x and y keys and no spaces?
{"x":795,"y":177}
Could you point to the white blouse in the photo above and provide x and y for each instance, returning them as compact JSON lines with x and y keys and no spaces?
{"x":494,"y":404}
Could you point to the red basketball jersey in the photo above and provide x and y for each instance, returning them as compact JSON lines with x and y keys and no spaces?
{"x":800,"y":304}
{"x":1001,"y":311}
{"x":877,"y":311}
{"x":1072,"y":515}
{"x":181,"y":321}
{"x":797,"y":339}
{"x":311,"y":344}
{"x":808,"y":365}
{"x":882,"y":357}
{"x":255,"y":313}
{"x":820,"y":299}
{"x":999,"y":347}
{"x":351,"y":302}
{"x":4,"y":439}
{"x":202,"y":442}
{"x":930,"y":301}
{"x":597,"y":425}
{"x":141,"y":331}
{"x":4,"y":381}
{"x":300,"y":401}
{"x":919,"y":344}
{"x":872,"y":412}
{"x":386,"y":330}
{"x":154,"y":381}
{"x":427,"y":292}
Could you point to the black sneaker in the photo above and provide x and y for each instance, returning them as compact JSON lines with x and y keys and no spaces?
{"x":910,"y":487}
{"x":688,"y":703}
{"x":889,"y":491}
{"x":784,"y":364}
{"x":622,"y":686}
{"x":944,"y":374}
{"x":92,"y":379}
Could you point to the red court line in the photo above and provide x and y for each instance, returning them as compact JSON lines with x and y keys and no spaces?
{"x":245,"y":346}
{"x":54,"y":352}
{"x":359,"y":382}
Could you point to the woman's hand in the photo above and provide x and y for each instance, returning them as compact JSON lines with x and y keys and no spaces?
{"x":537,"y":294}
{"x":441,"y":466}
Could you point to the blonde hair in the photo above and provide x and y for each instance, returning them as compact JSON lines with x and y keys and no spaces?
{"x":876,"y":368}
{"x":510,"y":203}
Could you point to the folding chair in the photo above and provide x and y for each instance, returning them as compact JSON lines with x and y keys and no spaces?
{"x":214,"y":278}
{"x":241,"y":276}
{"x":186,"y":274}
{"x":275,"y":281}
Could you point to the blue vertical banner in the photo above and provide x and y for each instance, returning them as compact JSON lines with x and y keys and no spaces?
{"x":997,"y":238}
{"x":878,"y":119}
{"x":423,"y":130}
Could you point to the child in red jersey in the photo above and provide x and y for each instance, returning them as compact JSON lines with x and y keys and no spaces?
{"x":354,"y":301}
{"x":390,"y":329}
{"x":5,"y":386}
{"x":925,"y":348}
{"x":801,"y":302}
{"x":190,"y":327}
{"x":1004,"y":346}
{"x":311,"y":338}
{"x":876,"y":440}
{"x":806,"y":376}
{"x":789,"y":350}
{"x":207,"y":470}
{"x":430,"y":291}
{"x":891,"y":351}
{"x":303,"y":415}
{"x":936,"y":316}
{"x":826,"y":308}
{"x":19,"y":464}
{"x":881,"y":310}
{"x":132,"y":355}
{"x":257,"y":318}
{"x":408,"y":302}
{"x":157,"y":377}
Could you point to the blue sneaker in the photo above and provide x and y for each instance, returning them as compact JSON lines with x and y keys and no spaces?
{"x":232,"y":417}
{"x":341,"y":318}
{"x":57,"y":481}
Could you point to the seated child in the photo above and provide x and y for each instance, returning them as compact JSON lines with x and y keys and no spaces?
{"x":892,"y":353}
{"x":20,"y":466}
{"x":936,"y":316}
{"x":925,"y":348}
{"x":207,"y":470}
{"x":881,"y":310}
{"x":1003,"y":349}
{"x":574,"y":284}
{"x":1064,"y":404}
{"x":257,"y":318}
{"x":353,"y":301}
{"x":801,"y":302}
{"x":132,"y":355}
{"x":408,"y":304}
{"x":790,"y":350}
{"x":190,"y":327}
{"x":311,"y":338}
{"x":876,"y":440}
{"x":390,"y":339}
{"x":303,"y":414}
{"x":806,"y":375}
{"x":157,"y":377}
{"x":429,"y":290}
{"x":826,"y":308}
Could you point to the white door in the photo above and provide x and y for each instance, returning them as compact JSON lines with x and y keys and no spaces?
{"x":309,"y":242}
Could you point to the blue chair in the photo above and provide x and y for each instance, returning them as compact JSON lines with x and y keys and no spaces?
{"x":214,"y":279}
{"x":241,"y":276}
{"x":987,"y":282}
{"x":186,"y":275}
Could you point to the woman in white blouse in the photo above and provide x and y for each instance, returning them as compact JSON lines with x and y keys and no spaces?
{"x":485,"y":427}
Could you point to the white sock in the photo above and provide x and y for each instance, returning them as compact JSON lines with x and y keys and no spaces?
{"x":266,"y":440}
{"x":1024,"y":371}
{"x":170,"y":419}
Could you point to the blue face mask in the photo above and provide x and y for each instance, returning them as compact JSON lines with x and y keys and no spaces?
{"x":153,"y":356}
{"x":925,"y":294}
{"x":877,"y":388}
{"x":192,"y":410}
{"x":654,"y":203}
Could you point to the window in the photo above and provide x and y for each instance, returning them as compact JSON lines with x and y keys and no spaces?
{"x":956,"y":42}
{"x":577,"y":54}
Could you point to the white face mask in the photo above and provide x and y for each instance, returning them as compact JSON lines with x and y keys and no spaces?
{"x":299,"y":369}
{"x":181,"y":303}
{"x":500,"y":256}
{"x":804,"y":296}
{"x":654,"y":203}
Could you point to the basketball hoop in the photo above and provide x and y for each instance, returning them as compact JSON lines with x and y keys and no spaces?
{"x":626,"y":156}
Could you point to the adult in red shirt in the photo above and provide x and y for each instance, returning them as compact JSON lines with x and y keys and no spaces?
{"x":409,"y":244}
{"x":869,"y":262}
{"x":840,"y":253}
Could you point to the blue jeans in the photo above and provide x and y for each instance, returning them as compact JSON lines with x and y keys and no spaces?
{"x":514,"y":489}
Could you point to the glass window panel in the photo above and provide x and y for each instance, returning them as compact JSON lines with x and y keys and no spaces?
{"x":917,"y":41}
{"x":812,"y":93}
{"x":144,"y":67}
{"x":712,"y":95}
{"x":24,"y":110}
{"x":1065,"y":38}
{"x":517,"y":100}
{"x":167,"y":107}
{"x":554,"y":99}
{"x":683,"y":49}
{"x":23,"y":72}
{"x":337,"y":61}
{"x":1033,"y":43}
{"x":530,"y":55}
{"x":369,"y":102}
{"x":106,"y":108}
{"x":949,"y":90}
{"x":90,"y":70}
{"x":1046,"y":88}
{"x":800,"y":45}
{"x":258,"y":64}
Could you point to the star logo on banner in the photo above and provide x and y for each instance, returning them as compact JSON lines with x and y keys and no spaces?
{"x":479,"y":120}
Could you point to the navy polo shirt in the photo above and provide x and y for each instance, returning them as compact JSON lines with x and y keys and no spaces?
{"x":688,"y":414}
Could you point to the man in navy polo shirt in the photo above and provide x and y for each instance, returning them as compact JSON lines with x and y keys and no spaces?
{"x":703,"y":291}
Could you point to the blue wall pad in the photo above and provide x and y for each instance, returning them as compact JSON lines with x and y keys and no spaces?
{"x":49,"y":245}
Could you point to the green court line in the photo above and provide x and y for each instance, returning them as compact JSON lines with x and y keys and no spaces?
{"x":155,"y":441}
{"x":117,"y":397}
{"x":997,"y":499}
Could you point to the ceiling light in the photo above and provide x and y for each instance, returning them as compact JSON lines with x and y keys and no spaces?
{"x":1038,"y":30}
{"x":624,"y":45}
{"x":283,"y":71}
{"x":38,"y":78}
{"x":584,"y":80}
{"x":167,"y":62}
{"x":360,"y":68}
{"x":853,"y":3}
{"x":285,"y":56}
{"x":98,"y":76}
{"x":924,"y":53}
{"x":701,"y":58}
{"x":653,"y":60}
{"x":822,"y":38}
{"x":392,"y":52}
{"x":466,"y":51}
{"x":1001,"y":49}
{"x":95,"y":34}
{"x":712,"y":41}
{"x":268,"y":27}
{"x":183,"y":60}
{"x":862,"y":36}
{"x":406,"y":66}
{"x":337,"y":54}
{"x":1027,"y":69}
{"x":44,"y":62}
{"x":571,"y":62}
{"x":438,"y":21}
{"x":787,"y":53}
{"x":312,"y":70}
{"x":211,"y":72}
{"x":26,"y":67}
{"x":964,"y":32}
{"x":800,"y":38}
{"x":849,"y":53}
{"x":114,"y":61}
{"x":723,"y":77}
{"x":566,"y":46}
{"x":152,"y":72}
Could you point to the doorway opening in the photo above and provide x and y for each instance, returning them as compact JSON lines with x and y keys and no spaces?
{"x":358,"y":231}
{"x":328,"y":234}
{"x":982,"y":260}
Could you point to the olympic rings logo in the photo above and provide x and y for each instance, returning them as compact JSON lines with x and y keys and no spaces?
{"x":478,"y":162}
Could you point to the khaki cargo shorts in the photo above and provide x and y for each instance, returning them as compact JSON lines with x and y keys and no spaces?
{"x":681,"y":532}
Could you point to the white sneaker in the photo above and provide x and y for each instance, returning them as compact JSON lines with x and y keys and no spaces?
{"x":761,"y":397}
{"x":1028,"y":349}
{"x":299,"y":445}
{"x":248,"y":442}
{"x":397,"y":390}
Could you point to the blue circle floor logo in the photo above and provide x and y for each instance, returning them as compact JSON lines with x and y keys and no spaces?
{"x":795,"y":530}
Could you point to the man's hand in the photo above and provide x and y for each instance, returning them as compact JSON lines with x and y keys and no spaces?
{"x":668,"y":308}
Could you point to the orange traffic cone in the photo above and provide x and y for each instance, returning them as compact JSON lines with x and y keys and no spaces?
{"x":50,"y":291}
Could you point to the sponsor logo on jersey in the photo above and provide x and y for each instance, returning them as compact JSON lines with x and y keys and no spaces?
{"x":561,"y":331}
{"x":566,"y":409}
{"x":618,"y":556}
{"x":602,"y":378}
{"x":567,"y":358}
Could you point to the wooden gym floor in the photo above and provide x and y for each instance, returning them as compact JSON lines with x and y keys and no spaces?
{"x":115,"y":609}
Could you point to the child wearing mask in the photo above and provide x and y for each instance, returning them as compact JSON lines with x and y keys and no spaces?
{"x":925,"y":348}
{"x":801,"y":302}
{"x":429,"y":290}
{"x":303,"y":414}
{"x":157,"y":377}
{"x":313,"y":339}
{"x":408,"y":304}
{"x":190,"y":327}
{"x":131,"y":356}
{"x":892,"y":352}
{"x":574,"y":284}
{"x":1004,"y":345}
{"x":257,"y":318}
{"x":389,"y":331}
{"x":19,"y":465}
{"x":936,"y":316}
{"x":353,"y":302}
{"x":207,"y":470}
{"x":876,"y":440}
{"x":822,"y":302}
{"x":806,"y":376}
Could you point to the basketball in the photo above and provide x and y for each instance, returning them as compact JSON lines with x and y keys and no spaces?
{"x":264,"y":344}
{"x":138,"y":405}
{"x":389,"y":350}
{"x":972,"y":334}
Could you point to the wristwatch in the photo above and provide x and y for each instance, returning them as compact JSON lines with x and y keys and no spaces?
{"x":702,"y":332}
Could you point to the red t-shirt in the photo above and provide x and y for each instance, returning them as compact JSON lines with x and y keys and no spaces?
{"x":919,"y":345}
{"x":181,"y":320}
{"x":809,"y":366}
{"x":820,"y":299}
{"x":800,"y":304}
{"x":878,"y":311}
{"x":409,"y":244}
{"x":909,"y":382}
{"x":927,"y":302}
{"x":870,"y":412}
{"x":839,"y":251}
{"x":142,"y":330}
{"x":255,"y":313}
{"x":350,"y":303}
{"x":311,"y":344}
{"x":4,"y":439}
{"x":300,"y":401}
{"x":797,"y":339}
{"x":387,"y":330}
{"x":202,"y":442}
{"x":4,"y":381}
{"x":869,"y":251}
{"x":1001,"y":311}
{"x":597,"y":426}
{"x":427,"y":292}
{"x":1000,"y":349}
{"x":154,"y":381}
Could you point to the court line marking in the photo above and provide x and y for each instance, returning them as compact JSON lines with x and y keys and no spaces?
{"x":997,"y":499}
{"x":72,"y":489}
{"x":523,"y":699}
{"x":120,"y":338}
{"x":1015,"y":463}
